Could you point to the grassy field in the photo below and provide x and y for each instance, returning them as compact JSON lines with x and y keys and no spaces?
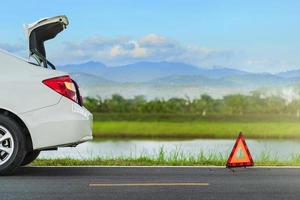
{"x":184,"y":117}
{"x":196,"y":129}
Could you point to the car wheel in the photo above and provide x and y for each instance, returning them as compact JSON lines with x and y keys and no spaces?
{"x":12,"y":145}
{"x":30,"y":156}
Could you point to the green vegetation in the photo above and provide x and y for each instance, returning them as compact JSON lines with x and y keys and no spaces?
{"x":186,"y":117}
{"x":173,"y":159}
{"x":228,"y":105}
{"x":256,"y":116}
{"x":151,"y":162}
{"x":195,"y":129}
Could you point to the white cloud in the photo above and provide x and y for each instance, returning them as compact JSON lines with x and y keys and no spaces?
{"x":152,"y":40}
{"x":152,"y":47}
{"x":116,"y":51}
{"x":139,"y":52}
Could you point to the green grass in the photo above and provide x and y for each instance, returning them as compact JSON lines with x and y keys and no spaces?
{"x":176,"y":158}
{"x":195,"y":129}
{"x":188,"y":117}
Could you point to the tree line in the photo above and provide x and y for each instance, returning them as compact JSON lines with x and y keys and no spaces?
{"x":205,"y":104}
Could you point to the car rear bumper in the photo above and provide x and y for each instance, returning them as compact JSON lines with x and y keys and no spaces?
{"x":63,"y":124}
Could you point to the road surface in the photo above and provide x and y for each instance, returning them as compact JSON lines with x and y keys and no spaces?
{"x":138,"y":183}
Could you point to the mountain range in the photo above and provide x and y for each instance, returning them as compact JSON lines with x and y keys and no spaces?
{"x":150,"y":79}
{"x":146,"y":71}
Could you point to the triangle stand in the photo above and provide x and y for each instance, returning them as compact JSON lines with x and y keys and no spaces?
{"x":240,"y":155}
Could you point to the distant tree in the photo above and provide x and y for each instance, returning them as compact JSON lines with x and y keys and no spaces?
{"x":205,"y":104}
{"x":236,"y":104}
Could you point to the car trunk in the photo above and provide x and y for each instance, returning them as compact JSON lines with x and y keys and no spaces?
{"x":41,"y":31}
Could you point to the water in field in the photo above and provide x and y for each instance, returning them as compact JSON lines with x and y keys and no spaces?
{"x":282,"y":149}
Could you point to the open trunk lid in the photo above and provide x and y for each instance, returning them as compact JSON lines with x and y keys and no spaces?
{"x":41,"y":31}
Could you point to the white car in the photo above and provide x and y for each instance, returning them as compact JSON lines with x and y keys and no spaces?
{"x":40,"y":108}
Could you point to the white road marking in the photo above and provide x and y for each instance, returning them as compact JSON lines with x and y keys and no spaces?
{"x":145,"y":184}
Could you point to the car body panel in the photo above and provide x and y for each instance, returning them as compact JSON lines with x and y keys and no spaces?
{"x":59,"y":125}
{"x":19,"y":80}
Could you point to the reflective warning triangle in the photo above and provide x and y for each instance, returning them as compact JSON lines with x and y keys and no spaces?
{"x":240,"y":155}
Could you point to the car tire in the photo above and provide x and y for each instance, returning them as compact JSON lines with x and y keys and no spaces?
{"x":30,"y":156}
{"x":12,"y":145}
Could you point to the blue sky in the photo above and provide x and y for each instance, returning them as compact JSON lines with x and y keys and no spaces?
{"x":252,"y":35}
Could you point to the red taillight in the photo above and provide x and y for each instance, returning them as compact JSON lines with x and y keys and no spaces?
{"x":64,"y":86}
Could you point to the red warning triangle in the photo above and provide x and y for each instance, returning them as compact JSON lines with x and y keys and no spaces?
{"x":240,"y":155}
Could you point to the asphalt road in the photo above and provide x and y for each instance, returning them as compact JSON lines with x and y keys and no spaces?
{"x":150,"y":183}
